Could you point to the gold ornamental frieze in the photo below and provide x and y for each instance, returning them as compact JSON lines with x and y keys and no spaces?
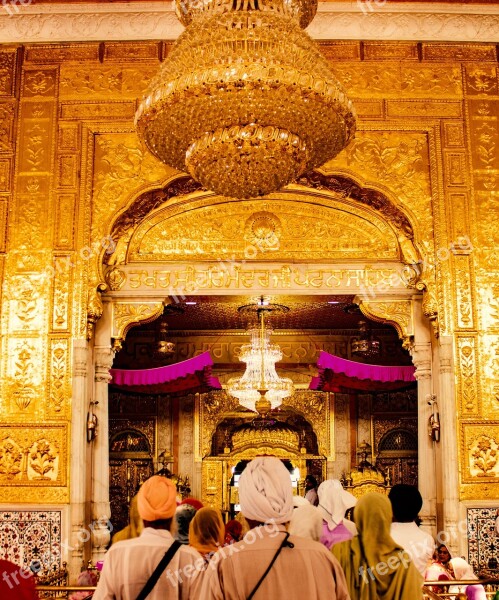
{"x":283,"y":229}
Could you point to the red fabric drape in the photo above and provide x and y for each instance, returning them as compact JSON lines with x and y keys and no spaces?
{"x":337,"y":374}
{"x":191,"y":374}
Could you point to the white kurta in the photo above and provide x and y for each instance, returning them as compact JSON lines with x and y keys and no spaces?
{"x":306,"y":571}
{"x":418,"y":544}
{"x":129,"y":564}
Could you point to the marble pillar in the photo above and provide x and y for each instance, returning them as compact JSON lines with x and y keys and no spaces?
{"x":101,"y":511}
{"x":421,"y":352}
{"x":78,"y":459}
{"x":449,"y":448}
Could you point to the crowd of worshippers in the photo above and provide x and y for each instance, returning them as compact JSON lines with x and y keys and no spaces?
{"x":279,"y":545}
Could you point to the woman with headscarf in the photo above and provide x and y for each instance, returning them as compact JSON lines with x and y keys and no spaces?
{"x":207,"y":532}
{"x":134,"y":528}
{"x":16,"y":583}
{"x":464,"y":571}
{"x":182,"y":520}
{"x":374,"y":565}
{"x":306,"y":522}
{"x":233,"y":532}
{"x":334,"y":502}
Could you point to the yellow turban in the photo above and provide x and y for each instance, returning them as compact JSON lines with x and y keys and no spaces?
{"x":157,"y":499}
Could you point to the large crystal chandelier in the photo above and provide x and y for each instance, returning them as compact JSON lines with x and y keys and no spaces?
{"x":245,"y":102}
{"x":260,"y":388}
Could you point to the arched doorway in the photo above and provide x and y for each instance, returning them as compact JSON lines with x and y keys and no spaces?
{"x":355,"y":247}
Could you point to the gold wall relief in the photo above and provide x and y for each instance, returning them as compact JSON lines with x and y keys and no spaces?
{"x":59,"y":392}
{"x":33,"y":456}
{"x":398,"y":161}
{"x":128,"y":314}
{"x":7,"y":114}
{"x":480,"y":452}
{"x":304,"y":229}
{"x":404,"y":80}
{"x":464,"y":294}
{"x":213,"y":484}
{"x":467,"y":373}
{"x":397,"y":312}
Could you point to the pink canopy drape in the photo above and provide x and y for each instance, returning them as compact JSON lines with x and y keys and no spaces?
{"x":192,"y":374}
{"x":337,"y":374}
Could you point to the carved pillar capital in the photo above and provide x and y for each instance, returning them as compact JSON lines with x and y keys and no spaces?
{"x":421,"y":357}
{"x":446,"y":354}
{"x":103,"y":362}
{"x":80,"y":351}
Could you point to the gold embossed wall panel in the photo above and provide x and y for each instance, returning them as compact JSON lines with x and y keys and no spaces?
{"x":427,"y":139}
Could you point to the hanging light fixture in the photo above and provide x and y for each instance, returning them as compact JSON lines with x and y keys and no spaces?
{"x":245,"y":102}
{"x":365,"y":345}
{"x":260,"y":388}
{"x":163,"y":348}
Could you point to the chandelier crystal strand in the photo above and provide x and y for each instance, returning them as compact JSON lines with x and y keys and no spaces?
{"x":260,"y":375}
{"x":245,"y":102}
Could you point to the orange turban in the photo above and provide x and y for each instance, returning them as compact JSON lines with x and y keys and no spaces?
{"x":157,"y":498}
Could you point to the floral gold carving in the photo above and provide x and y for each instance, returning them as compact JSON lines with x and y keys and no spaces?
{"x":5,"y":175}
{"x":32,"y":455}
{"x":481,"y":451}
{"x":456,"y":169}
{"x":453,"y":134}
{"x":212,"y":483}
{"x":6,"y":126}
{"x":363,"y":80}
{"x":467,"y":374}
{"x":61,"y":53}
{"x":481,"y":79}
{"x":66,"y":204}
{"x":59,"y":391}
{"x":105,"y":82}
{"x":464,"y":293}
{"x":43,"y":460}
{"x":22,"y":383}
{"x":10,"y":458}
{"x":61,"y":292}
{"x":458,"y":52}
{"x":40,"y":83}
{"x":7,"y":72}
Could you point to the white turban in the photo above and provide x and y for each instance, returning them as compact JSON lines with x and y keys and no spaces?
{"x":334,"y":501}
{"x":265,"y":492}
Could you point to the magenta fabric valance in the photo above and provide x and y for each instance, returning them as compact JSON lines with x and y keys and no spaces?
{"x":188,"y":374}
{"x":337,"y":374}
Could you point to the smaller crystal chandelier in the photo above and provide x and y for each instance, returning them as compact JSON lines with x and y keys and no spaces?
{"x":260,"y":388}
{"x":365,"y":345}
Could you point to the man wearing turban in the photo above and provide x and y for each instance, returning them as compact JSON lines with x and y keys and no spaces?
{"x":269,"y":562}
{"x":129,"y":564}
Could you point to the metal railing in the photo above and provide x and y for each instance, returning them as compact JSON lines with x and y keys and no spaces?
{"x":491,"y":585}
{"x":63,"y":591}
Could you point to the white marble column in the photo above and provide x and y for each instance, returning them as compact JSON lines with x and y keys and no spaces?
{"x":422,"y":358}
{"x":446,"y":399}
{"x":78,"y":458}
{"x":103,"y":360}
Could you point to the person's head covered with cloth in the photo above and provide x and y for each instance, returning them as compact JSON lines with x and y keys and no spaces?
{"x":157,"y":501}
{"x":265,"y":492}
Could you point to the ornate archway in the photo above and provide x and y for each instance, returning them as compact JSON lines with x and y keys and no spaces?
{"x":179,"y":240}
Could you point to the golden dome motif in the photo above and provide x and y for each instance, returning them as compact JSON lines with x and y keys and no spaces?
{"x":271,"y":435}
